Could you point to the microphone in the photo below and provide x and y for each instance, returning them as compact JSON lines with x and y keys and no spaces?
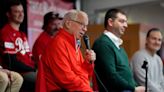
{"x":87,"y":44}
{"x":144,"y":66}
{"x":86,"y":41}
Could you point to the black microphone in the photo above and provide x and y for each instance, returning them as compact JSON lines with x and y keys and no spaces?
{"x":144,"y":66}
{"x":86,"y":41}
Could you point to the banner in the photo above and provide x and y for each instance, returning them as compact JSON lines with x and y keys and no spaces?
{"x":36,"y":11}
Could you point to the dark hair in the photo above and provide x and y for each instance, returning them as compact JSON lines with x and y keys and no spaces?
{"x":50,"y":16}
{"x":11,"y":3}
{"x":151,"y":30}
{"x":111,"y":13}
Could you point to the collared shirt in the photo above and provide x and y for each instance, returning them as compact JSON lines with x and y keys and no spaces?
{"x":117,"y":41}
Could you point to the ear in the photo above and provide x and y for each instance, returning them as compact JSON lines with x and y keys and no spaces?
{"x":7,"y":14}
{"x":146,"y":41}
{"x":67,"y":24}
{"x":110,"y":22}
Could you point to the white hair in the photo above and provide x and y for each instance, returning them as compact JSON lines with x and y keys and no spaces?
{"x":73,"y":15}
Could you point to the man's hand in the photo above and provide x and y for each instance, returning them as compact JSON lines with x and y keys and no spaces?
{"x":140,"y":89}
{"x":7,"y":72}
{"x":90,"y":56}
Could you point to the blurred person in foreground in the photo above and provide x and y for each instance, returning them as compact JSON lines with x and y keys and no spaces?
{"x":112,"y":65}
{"x":16,"y":54}
{"x":52,"y":23}
{"x":63,"y":63}
{"x":154,"y":62}
{"x":10,"y":81}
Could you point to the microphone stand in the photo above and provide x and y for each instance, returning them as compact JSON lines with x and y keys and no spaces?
{"x":146,"y":79}
{"x":144,"y":66}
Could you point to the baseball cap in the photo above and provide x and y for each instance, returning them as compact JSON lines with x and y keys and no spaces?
{"x":49,"y":16}
{"x":52,"y":15}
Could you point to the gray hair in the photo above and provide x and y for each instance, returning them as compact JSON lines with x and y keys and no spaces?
{"x":71,"y":15}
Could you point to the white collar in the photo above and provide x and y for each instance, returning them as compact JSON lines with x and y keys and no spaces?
{"x":117,"y":41}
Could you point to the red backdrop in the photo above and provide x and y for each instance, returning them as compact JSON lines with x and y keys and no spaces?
{"x":36,"y":10}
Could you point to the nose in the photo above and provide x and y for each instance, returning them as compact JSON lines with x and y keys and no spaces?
{"x":85,"y":28}
{"x":125,"y":24}
{"x":159,"y":41}
{"x":21,"y":13}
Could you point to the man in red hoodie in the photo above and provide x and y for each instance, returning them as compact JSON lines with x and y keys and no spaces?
{"x":64,"y":67}
{"x":52,"y":23}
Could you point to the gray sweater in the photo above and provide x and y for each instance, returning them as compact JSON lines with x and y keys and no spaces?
{"x":155,"y":70}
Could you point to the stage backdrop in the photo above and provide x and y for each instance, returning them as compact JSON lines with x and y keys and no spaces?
{"x":36,"y":10}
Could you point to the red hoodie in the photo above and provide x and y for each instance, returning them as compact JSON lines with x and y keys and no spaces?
{"x":63,"y":65}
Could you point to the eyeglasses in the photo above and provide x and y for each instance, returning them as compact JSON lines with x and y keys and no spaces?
{"x":82,"y":24}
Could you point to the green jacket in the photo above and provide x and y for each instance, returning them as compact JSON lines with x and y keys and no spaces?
{"x":112,"y":66}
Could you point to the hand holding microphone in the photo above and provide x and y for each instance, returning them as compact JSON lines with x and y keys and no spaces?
{"x":90,"y":55}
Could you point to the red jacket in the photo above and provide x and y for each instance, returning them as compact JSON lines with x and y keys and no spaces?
{"x":40,"y":80}
{"x":40,"y":46}
{"x":64,"y":66}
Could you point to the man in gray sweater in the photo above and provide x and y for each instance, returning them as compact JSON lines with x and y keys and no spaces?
{"x":155,"y":74}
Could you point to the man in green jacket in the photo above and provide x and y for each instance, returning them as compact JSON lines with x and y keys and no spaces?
{"x":111,"y":65}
